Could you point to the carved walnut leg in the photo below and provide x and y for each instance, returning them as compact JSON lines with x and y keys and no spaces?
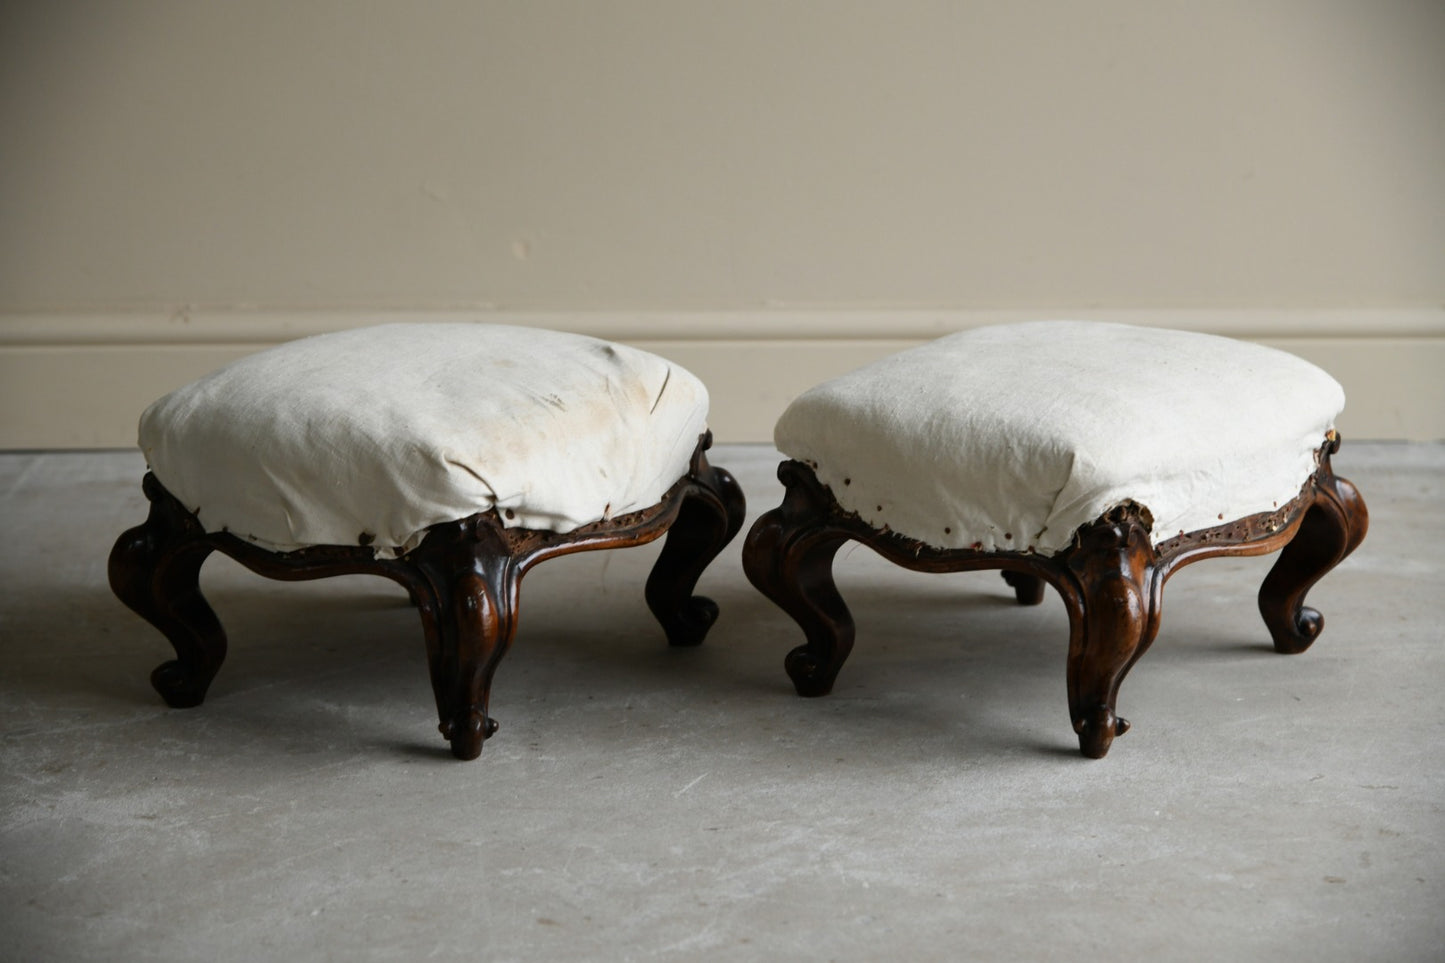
{"x":1332,"y":528}
{"x":788,"y":556}
{"x":1028,"y":589}
{"x":1113,"y":617}
{"x":154,"y":569}
{"x":467,"y":598}
{"x":711,"y":514}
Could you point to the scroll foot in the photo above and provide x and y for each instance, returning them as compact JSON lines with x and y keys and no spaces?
{"x":1097,"y":730}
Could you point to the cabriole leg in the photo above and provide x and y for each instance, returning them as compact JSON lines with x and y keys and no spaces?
{"x":788,"y":556}
{"x":154,"y":569}
{"x":467,"y":598}
{"x":711,"y":513}
{"x":1332,"y":528}
{"x":1112,"y":621}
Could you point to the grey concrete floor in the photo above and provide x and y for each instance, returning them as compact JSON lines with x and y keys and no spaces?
{"x":642,"y":803}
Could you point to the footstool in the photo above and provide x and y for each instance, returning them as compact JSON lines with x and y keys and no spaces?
{"x":449,"y":458}
{"x":1096,"y":458}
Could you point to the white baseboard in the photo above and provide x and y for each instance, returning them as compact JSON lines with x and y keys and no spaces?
{"x":81,"y":380}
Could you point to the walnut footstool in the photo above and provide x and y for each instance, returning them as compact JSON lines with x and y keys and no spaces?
{"x":449,"y":458}
{"x":1096,"y":458}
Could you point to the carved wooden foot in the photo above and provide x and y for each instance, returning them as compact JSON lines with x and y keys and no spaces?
{"x":1113,"y":617}
{"x":154,"y":569}
{"x":711,"y":513}
{"x":788,"y":556}
{"x":1028,"y":589}
{"x":1333,"y":526}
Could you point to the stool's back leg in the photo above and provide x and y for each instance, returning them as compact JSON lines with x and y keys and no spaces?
{"x":1332,"y":528}
{"x":154,"y":569}
{"x":1028,"y":589}
{"x":711,"y":513}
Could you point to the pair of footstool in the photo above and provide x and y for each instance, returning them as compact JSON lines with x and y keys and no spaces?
{"x":1096,"y":458}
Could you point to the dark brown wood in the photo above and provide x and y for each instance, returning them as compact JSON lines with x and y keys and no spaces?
{"x":1333,"y":526}
{"x":705,"y":522}
{"x":1111,"y":579}
{"x":788,"y":556}
{"x":154,"y":568}
{"x":464,"y":579}
{"x":1028,"y":589}
{"x":1113,"y":617}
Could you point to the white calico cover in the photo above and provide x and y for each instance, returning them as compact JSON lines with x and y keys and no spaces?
{"x":1011,"y":437}
{"x":371,"y":435}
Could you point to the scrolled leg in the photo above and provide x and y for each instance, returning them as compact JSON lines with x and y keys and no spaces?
{"x":788,"y":556}
{"x":1113,"y":617}
{"x":1333,"y":527}
{"x":481,"y":631}
{"x":467,"y":594}
{"x":154,"y":569}
{"x":711,"y":515}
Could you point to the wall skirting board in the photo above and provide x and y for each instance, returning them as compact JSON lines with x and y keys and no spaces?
{"x":80,"y":380}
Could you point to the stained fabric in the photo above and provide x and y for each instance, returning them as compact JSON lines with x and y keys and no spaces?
{"x":370,"y":436}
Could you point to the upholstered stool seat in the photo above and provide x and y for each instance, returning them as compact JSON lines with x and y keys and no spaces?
{"x":1096,"y":457}
{"x":449,"y":458}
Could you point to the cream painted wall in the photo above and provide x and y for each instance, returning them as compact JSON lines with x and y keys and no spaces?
{"x":705,"y":175}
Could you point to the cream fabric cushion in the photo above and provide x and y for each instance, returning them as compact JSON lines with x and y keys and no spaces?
{"x":369,"y":436}
{"x":1010,"y":437}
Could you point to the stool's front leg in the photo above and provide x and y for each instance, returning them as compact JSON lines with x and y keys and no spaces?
{"x":154,"y":569}
{"x":788,"y":556}
{"x":711,"y":513}
{"x":1113,"y":617}
{"x":467,"y":596}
